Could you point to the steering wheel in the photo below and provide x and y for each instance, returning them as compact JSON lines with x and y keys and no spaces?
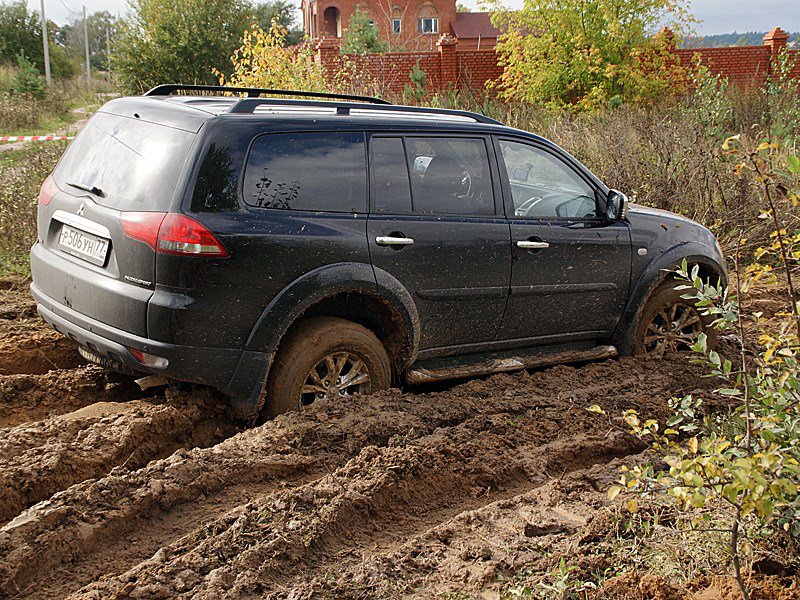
{"x":524,"y":209}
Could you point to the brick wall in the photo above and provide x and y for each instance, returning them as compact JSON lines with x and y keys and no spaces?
{"x":391,"y":70}
{"x":742,"y":65}
{"x":476,"y":67}
{"x":449,"y":66}
{"x":794,"y":55}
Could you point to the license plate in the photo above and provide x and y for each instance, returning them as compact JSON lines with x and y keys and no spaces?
{"x":83,"y":245}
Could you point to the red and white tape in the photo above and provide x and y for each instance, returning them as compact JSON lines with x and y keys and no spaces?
{"x":36,"y":138}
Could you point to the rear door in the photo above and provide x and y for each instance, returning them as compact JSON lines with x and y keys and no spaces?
{"x":571,"y":269}
{"x":304,"y":207}
{"x":84,"y":260}
{"x":436,"y":226}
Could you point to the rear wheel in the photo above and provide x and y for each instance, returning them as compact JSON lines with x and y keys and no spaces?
{"x":326,"y":358}
{"x":670,"y":323}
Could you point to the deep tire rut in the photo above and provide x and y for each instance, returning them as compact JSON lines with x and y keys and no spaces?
{"x":39,"y":459}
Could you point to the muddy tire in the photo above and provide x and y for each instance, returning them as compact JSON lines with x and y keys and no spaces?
{"x":326,"y":358}
{"x":670,"y":323}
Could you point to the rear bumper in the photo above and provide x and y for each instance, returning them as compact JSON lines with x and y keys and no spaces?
{"x":209,"y":366}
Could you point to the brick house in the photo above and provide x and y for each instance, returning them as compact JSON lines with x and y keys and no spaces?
{"x":413,"y":25}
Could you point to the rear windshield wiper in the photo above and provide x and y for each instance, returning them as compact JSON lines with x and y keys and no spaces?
{"x":94,"y":190}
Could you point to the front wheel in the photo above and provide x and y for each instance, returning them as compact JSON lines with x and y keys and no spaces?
{"x":670,"y":323}
{"x":326,"y":358}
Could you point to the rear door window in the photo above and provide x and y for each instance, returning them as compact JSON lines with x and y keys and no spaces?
{"x":450,"y":176}
{"x":391,"y":186}
{"x":136,"y":164}
{"x":319,"y":171}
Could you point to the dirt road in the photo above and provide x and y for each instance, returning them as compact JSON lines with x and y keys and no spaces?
{"x":109,"y":492}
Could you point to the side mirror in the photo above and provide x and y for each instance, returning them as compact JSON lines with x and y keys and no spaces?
{"x":616,"y":206}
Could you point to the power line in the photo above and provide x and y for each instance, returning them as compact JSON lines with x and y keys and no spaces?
{"x":69,"y":10}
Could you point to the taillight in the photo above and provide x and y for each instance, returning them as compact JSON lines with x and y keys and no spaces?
{"x":142,"y":226}
{"x":180,"y":234}
{"x":172,"y":233}
{"x":48,"y":190}
{"x":149,"y":360}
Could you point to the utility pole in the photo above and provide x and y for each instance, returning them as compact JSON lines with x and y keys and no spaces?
{"x":108,"y":53}
{"x":46,"y":44}
{"x":86,"y":46}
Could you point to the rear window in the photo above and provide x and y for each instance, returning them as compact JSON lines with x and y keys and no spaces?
{"x":307,"y":171}
{"x":136,"y":164}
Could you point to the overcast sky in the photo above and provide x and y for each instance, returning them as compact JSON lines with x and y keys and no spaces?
{"x":717,"y":16}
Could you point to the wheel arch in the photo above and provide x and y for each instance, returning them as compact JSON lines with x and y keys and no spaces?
{"x":353,"y":291}
{"x":657,"y":272}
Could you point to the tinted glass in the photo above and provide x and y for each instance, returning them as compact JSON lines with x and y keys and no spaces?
{"x":307,"y":171}
{"x":391,"y":186}
{"x":543,"y":186}
{"x":450,"y":176}
{"x":217,"y":181}
{"x":136,"y":164}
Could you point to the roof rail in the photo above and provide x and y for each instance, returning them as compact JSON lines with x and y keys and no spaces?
{"x":249,"y":105}
{"x":168,"y":88}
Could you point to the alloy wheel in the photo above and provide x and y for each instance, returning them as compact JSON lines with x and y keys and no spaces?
{"x":337,"y":375}
{"x":673,"y":328}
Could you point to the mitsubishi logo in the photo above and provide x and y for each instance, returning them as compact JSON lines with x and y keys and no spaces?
{"x":80,"y":209}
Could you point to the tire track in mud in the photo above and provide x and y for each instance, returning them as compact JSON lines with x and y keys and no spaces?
{"x":39,"y":459}
{"x":72,"y":524}
{"x":479,"y":549}
{"x":26,"y":398}
{"x":479,"y":436}
{"x":393,"y":493}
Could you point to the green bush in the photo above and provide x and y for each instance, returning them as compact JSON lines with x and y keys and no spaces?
{"x":361,"y":36}
{"x":741,"y":468}
{"x":27,"y":80}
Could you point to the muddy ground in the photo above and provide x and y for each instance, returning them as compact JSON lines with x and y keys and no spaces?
{"x":459,"y":492}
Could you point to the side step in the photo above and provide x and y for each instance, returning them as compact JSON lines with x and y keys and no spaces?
{"x":442,"y":370}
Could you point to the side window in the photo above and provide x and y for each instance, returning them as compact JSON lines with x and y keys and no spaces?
{"x":391,"y":188}
{"x":307,"y":171}
{"x":450,"y":176}
{"x":543,"y":186}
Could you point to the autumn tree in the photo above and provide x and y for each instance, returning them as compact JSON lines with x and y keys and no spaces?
{"x":177,"y":41}
{"x":264,"y":61}
{"x":585,"y":54}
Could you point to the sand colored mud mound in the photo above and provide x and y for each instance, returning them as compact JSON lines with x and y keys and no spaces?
{"x":27,"y":344}
{"x":31,"y":397}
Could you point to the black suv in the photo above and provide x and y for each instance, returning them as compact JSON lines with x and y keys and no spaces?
{"x":285,"y":251}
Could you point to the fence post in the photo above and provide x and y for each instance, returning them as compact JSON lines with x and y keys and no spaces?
{"x":447,"y":60}
{"x":776,"y":40}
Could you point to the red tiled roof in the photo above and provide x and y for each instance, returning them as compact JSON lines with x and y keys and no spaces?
{"x":473,"y":25}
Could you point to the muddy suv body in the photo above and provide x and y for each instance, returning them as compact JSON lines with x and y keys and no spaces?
{"x":221,"y":240}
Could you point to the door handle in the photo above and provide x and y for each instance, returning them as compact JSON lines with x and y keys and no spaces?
{"x":531,"y":245}
{"x":388,"y":240}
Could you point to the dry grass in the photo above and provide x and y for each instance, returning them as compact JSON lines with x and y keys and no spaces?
{"x":21,"y":175}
